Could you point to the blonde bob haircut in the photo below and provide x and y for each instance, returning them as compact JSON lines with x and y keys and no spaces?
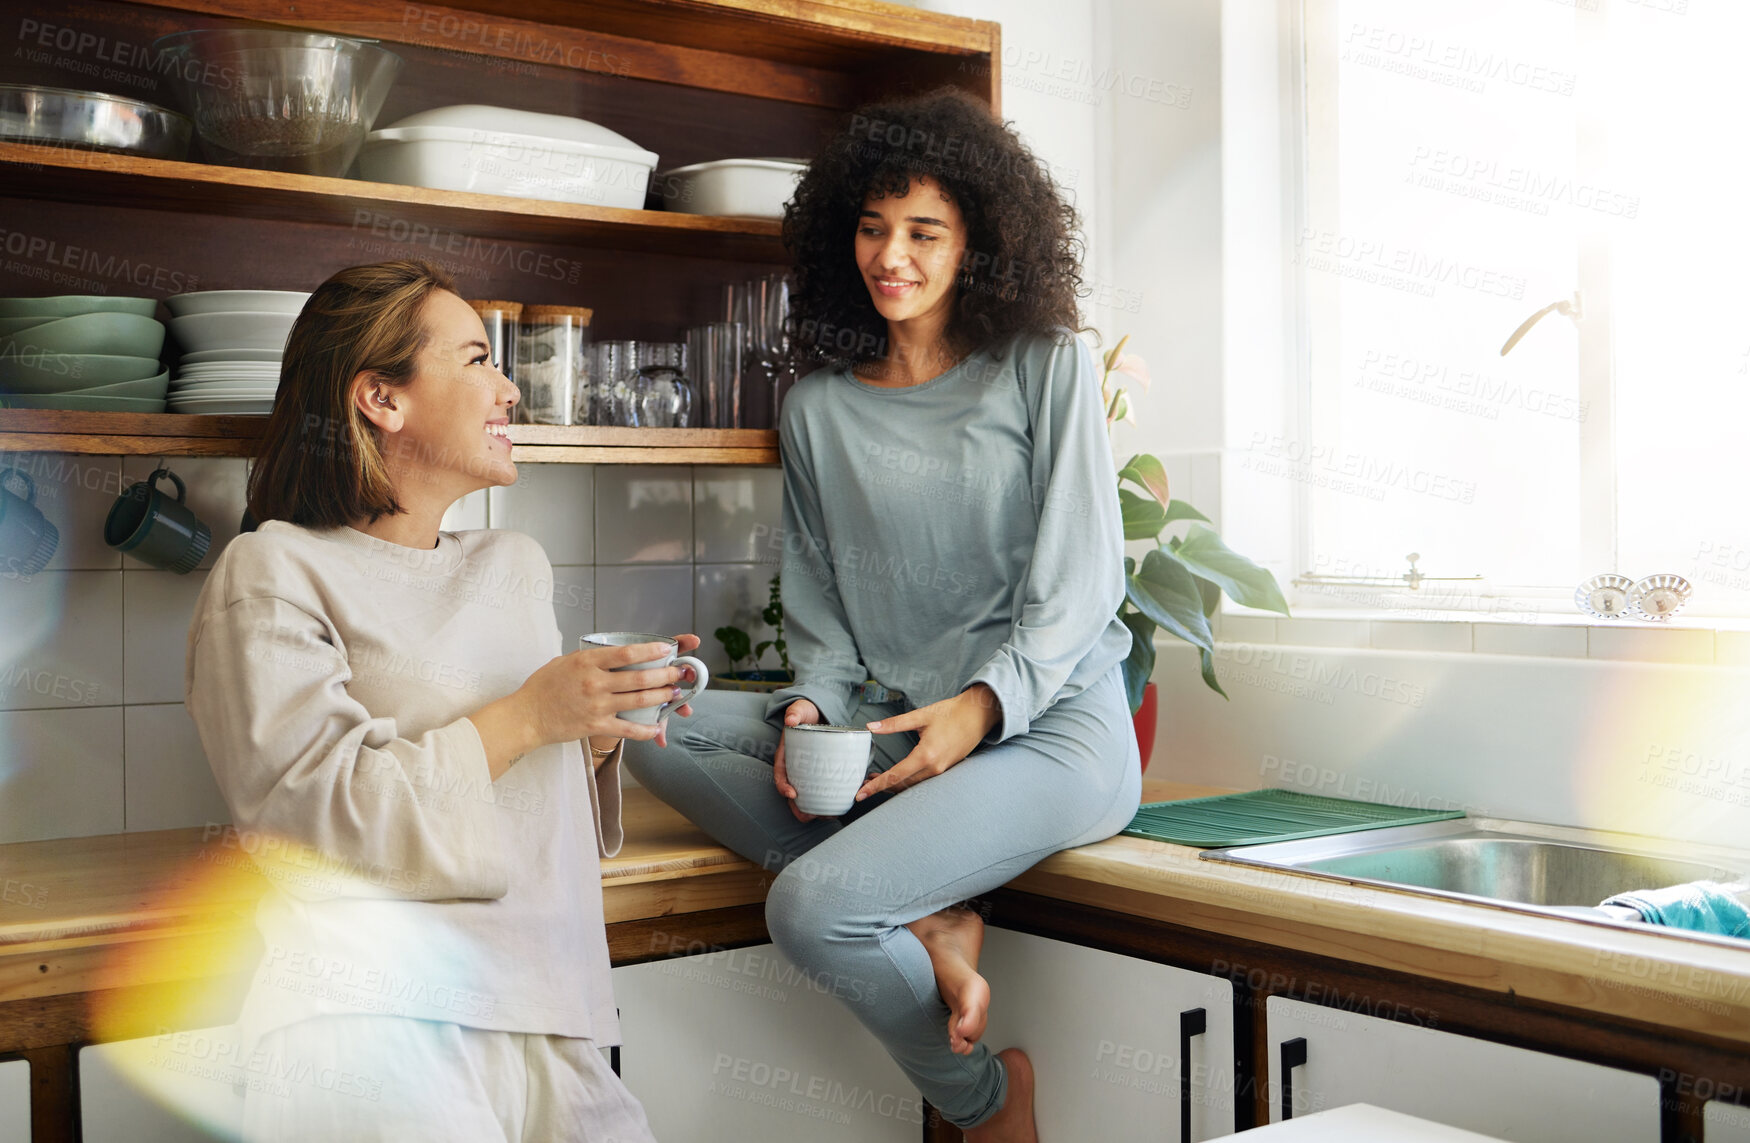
{"x":321,"y":464}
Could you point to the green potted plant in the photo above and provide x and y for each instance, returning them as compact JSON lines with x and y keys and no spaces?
{"x":738,"y":645}
{"x":1178,"y":585}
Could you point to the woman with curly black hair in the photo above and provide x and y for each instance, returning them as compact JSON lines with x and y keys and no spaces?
{"x":952,"y":567}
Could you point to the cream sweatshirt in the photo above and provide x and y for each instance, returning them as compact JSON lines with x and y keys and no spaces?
{"x":330,"y":675}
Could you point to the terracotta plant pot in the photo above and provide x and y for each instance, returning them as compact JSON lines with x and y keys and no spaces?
{"x":1145,"y":723}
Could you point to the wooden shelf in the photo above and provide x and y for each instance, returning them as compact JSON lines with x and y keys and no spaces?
{"x":827,"y":53}
{"x":67,"y":175}
{"x":173,"y":434}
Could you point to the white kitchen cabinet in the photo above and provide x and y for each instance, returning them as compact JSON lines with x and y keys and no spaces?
{"x":181,"y":1087}
{"x":1359,"y":1123}
{"x":1725,"y":1122}
{"x":1105,"y":1035}
{"x":15,"y":1102}
{"x":1494,"y":1089}
{"x":742,"y":1045}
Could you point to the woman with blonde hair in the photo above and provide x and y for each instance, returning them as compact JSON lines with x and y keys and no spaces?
{"x":391,"y":719}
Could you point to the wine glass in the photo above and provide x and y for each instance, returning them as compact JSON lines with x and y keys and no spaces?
{"x":765,"y":304}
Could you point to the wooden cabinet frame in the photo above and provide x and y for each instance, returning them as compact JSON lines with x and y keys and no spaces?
{"x":704,"y":78}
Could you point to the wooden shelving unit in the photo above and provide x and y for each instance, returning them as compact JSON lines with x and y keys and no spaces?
{"x":689,"y":79}
{"x":94,"y":177}
{"x":171,"y":434}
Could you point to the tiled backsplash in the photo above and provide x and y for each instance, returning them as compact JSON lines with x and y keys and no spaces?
{"x":93,"y":735}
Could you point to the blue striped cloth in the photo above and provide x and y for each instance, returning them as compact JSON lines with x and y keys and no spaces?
{"x":1700,"y":906}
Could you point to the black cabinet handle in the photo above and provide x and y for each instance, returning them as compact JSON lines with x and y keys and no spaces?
{"x":1194,"y":1022}
{"x":1293,"y":1056}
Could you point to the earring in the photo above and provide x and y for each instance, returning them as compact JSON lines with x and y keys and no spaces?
{"x":384,"y":401}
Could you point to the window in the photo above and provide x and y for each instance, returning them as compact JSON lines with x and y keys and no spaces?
{"x":1467,"y":165}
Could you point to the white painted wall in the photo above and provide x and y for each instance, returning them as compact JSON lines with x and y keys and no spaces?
{"x":1049,"y":52}
{"x":1192,"y":216}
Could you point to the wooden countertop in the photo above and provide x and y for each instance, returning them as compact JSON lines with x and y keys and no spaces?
{"x":72,"y":910}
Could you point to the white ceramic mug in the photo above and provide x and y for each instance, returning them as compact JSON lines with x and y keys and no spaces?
{"x":651,"y":715}
{"x":827,"y":765}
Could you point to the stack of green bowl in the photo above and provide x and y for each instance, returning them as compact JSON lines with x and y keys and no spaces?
{"x":73,"y":352}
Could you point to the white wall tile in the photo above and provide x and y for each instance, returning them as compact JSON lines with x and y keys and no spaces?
{"x":657,"y":598}
{"x":466,"y":514}
{"x":1232,"y":627}
{"x":1570,"y":741}
{"x":61,"y":640}
{"x":1304,"y":632}
{"x":736,"y":514}
{"x":160,"y":607}
{"x":75,"y":494}
{"x":1732,"y":648}
{"x":554,"y":503}
{"x":216,"y":493}
{"x":1415,"y":635}
{"x":643,"y":514}
{"x":1651,"y":644}
{"x":573,"y":605}
{"x":60,"y":773}
{"x":1554,"y":640}
{"x":731,"y":595}
{"x":168,"y":782}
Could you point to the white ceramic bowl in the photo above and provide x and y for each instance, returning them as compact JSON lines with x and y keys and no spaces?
{"x":234,"y":329}
{"x":234,"y":301}
{"x":211,"y":355}
{"x":247,"y":369}
{"x":742,"y":188}
{"x":215,"y":388}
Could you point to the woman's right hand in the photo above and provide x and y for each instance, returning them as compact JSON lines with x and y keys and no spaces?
{"x":799,"y":713}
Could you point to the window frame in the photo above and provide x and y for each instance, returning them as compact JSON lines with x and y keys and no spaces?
{"x":1309,"y":88}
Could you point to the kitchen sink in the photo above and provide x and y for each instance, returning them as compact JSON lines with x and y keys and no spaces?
{"x":1515,"y":864}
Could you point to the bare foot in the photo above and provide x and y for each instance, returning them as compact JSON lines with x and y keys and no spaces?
{"x":953,"y":938}
{"x":1013,"y":1123}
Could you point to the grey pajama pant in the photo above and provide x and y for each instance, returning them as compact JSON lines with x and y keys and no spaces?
{"x":847,"y":887}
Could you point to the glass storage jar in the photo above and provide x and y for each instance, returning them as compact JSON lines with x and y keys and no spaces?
{"x":553,"y":364}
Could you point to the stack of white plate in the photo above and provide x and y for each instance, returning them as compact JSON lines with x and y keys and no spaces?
{"x":232,"y":342}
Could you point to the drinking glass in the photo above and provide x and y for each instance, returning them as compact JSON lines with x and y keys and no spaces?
{"x":715,"y":355}
{"x":612,"y":394}
{"x":661,"y":396}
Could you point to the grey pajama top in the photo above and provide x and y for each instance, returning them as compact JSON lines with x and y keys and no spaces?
{"x":961,"y":531}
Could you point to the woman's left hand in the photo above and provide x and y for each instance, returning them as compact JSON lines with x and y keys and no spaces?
{"x":947,"y":732}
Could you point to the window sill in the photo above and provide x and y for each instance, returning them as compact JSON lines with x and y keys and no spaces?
{"x":1693,"y":641}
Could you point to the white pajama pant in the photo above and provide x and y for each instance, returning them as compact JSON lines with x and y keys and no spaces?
{"x":349,"y":1078}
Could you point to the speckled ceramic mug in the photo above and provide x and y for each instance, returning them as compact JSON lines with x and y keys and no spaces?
{"x":651,"y":715}
{"x":827,"y":765}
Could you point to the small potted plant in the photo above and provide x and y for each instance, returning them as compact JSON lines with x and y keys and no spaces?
{"x":1179,"y":585}
{"x":738,"y":645}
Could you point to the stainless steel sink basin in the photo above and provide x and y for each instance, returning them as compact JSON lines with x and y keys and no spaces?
{"x":1515,"y":864}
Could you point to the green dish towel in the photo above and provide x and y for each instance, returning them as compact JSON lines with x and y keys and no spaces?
{"x":1700,"y":906}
